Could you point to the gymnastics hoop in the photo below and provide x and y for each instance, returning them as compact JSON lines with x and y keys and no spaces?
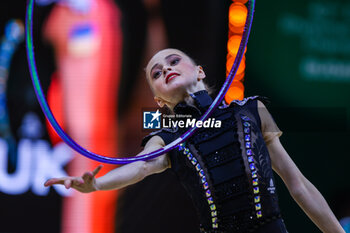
{"x":112,"y":160}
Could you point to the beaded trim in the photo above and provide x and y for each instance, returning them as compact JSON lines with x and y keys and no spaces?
{"x":249,"y":153}
{"x":245,"y":100}
{"x":203,"y":178}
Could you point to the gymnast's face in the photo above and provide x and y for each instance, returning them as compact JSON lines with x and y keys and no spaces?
{"x":172,"y":75}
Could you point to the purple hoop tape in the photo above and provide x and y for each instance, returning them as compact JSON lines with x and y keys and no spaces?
{"x":112,"y":160}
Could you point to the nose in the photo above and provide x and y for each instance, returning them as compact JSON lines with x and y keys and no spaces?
{"x":166,"y":69}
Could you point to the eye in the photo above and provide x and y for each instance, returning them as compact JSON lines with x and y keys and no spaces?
{"x":156,"y":74}
{"x":174,"y":61}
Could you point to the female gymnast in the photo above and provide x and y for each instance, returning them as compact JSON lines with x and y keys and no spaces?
{"x":227,"y":171}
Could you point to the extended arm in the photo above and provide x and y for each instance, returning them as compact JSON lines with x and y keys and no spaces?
{"x":303,"y":192}
{"x":137,"y":171}
{"x":120,"y":177}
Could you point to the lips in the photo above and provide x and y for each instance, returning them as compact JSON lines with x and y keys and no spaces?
{"x":170,"y":77}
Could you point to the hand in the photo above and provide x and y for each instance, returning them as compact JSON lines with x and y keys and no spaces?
{"x":84,"y":184}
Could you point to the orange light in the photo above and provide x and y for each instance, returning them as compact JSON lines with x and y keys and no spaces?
{"x":235,"y":30}
{"x":237,"y":14}
{"x":230,"y":62}
{"x":241,"y":1}
{"x":233,"y":44}
{"x":238,"y":77}
{"x":235,"y":92}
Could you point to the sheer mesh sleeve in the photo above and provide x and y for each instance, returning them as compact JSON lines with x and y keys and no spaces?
{"x":269,"y":127}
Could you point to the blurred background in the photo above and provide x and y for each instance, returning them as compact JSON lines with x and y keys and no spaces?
{"x":90,"y":57}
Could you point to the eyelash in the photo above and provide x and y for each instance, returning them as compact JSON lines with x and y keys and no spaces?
{"x":156,"y":74}
{"x":173,"y":62}
{"x":176,"y":60}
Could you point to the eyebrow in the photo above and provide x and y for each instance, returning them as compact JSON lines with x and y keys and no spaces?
{"x":165,"y":59}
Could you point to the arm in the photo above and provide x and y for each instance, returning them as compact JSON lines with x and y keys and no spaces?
{"x":302,"y":191}
{"x":120,"y":177}
{"x":134,"y":172}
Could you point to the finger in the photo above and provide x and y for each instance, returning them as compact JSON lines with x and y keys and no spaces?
{"x":68,"y":183}
{"x":77,"y":182}
{"x":53,"y":181}
{"x":96,"y":170}
{"x":80,"y":180}
{"x":87,"y":176}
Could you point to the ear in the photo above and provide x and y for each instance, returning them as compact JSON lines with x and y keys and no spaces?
{"x":159,"y":101}
{"x":201,"y":73}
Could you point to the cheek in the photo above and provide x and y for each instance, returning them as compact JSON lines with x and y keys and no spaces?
{"x":188,"y":67}
{"x":188,"y":70}
{"x":158,"y":86}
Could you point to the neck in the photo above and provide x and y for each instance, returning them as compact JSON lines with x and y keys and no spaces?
{"x":186,"y":98}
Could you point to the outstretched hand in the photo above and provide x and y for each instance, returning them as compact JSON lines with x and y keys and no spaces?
{"x":85,"y":184}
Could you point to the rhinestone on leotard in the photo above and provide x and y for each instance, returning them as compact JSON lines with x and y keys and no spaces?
{"x":252,"y":167}
{"x":193,"y":160}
